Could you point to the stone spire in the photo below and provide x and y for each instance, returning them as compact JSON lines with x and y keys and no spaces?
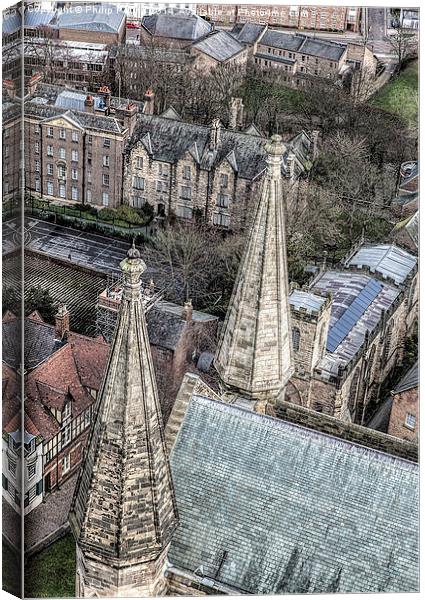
{"x":123,"y":512}
{"x":254,"y":355}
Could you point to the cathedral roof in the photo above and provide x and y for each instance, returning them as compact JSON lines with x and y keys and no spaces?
{"x":124,"y":508}
{"x":267,"y":506}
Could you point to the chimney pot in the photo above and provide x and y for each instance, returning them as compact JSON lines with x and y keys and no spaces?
{"x":187,"y":311}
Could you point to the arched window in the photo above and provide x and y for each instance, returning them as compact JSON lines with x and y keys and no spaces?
{"x":352,"y":398}
{"x":296,"y":336}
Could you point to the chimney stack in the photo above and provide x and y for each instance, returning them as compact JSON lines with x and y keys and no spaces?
{"x":33,"y":82}
{"x":236,"y":113}
{"x":215,"y":132}
{"x":149,"y":102}
{"x":128,"y":113}
{"x":62,"y":321}
{"x":187,"y":311}
{"x":106,"y":93}
{"x":89,"y":103}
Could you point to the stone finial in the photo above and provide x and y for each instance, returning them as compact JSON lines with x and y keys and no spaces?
{"x":132,"y":267}
{"x":275,"y":149}
{"x":187,"y":311}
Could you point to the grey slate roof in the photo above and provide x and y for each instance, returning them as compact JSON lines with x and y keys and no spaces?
{"x":170,"y":139}
{"x":178,"y":26}
{"x":295,"y":510}
{"x":346,"y":287}
{"x":220,"y":45}
{"x":40,"y":343}
{"x":86,"y":120}
{"x":306,"y":300}
{"x":409,"y":381}
{"x":322,"y":49}
{"x":247,"y":33}
{"x":284,"y":41}
{"x":106,"y":18}
{"x":387,"y":259}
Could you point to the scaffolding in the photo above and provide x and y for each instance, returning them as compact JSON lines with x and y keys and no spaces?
{"x":109,"y":300}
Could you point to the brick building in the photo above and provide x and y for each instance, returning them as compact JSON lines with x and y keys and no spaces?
{"x":404,"y":418}
{"x":319,"y":18}
{"x":193,"y":171}
{"x":75,"y":144}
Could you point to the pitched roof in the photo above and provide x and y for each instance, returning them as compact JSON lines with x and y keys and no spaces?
{"x":179,"y":26}
{"x":247,"y":33}
{"x":409,"y":381}
{"x":322,"y":48}
{"x":387,"y":259}
{"x":324,"y":515}
{"x":170,"y":139}
{"x":284,"y":41}
{"x":220,"y":45}
{"x":106,"y":18}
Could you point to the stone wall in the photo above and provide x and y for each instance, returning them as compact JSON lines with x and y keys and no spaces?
{"x":404,"y":404}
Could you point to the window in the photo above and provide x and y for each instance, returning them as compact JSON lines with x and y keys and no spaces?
{"x":105,"y":179}
{"x":184,"y":212}
{"x":49,"y":169}
{"x":74,"y":193}
{"x":37,"y":185}
{"x":66,"y":464}
{"x":62,"y":153}
{"x":37,"y":166}
{"x":222,"y":200}
{"x":139,"y":162}
{"x":186,"y":172}
{"x":50,"y":132}
{"x":74,"y":155}
{"x":6,"y":151}
{"x":32,"y":493}
{"x":74,"y":174}
{"x":6,"y":169}
{"x":410,"y":421}
{"x":296,"y":337}
{"x":50,"y":188}
{"x":138,"y":201}
{"x":66,"y":411}
{"x":222,"y":220}
{"x":62,"y":190}
{"x":106,"y":143}
{"x":88,"y":195}
{"x":89,"y":157}
{"x":163,"y":170}
{"x":62,"y":134}
{"x":105,"y":199}
{"x":29,"y":447}
{"x":224,"y":180}
{"x":89,"y":139}
{"x":89,"y":178}
{"x":37,"y":147}
{"x":138,"y":183}
{"x":7,"y":132}
{"x":32,"y":470}
{"x":61,"y":170}
{"x":161,"y":186}
{"x":186,"y":192}
{"x":74,"y":136}
{"x":66,"y":435}
{"x":106,"y":161}
{"x":11,"y":465}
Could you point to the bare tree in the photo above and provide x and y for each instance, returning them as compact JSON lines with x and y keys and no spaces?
{"x":404,"y":45}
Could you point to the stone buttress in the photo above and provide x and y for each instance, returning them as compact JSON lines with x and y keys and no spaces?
{"x":254,"y":355}
{"x":123,"y":513}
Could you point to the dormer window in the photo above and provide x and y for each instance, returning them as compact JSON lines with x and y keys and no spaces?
{"x":29,"y":446}
{"x":13,"y":445}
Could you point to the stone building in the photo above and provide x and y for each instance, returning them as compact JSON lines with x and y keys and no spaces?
{"x":349,"y":329}
{"x":75,"y":144}
{"x":212,"y":173}
{"x":179,"y":30}
{"x":241,"y":528}
{"x":218,"y":49}
{"x":404,"y":417}
{"x":63,"y":373}
{"x":319,"y":18}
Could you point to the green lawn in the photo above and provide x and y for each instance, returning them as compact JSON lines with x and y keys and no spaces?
{"x":400,"y":96}
{"x":51,"y":573}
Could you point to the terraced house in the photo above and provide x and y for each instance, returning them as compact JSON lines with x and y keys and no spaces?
{"x":75,"y":143}
{"x":211,"y":173}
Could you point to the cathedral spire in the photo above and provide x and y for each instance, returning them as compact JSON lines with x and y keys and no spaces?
{"x":254,"y":355}
{"x":123,"y":512}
